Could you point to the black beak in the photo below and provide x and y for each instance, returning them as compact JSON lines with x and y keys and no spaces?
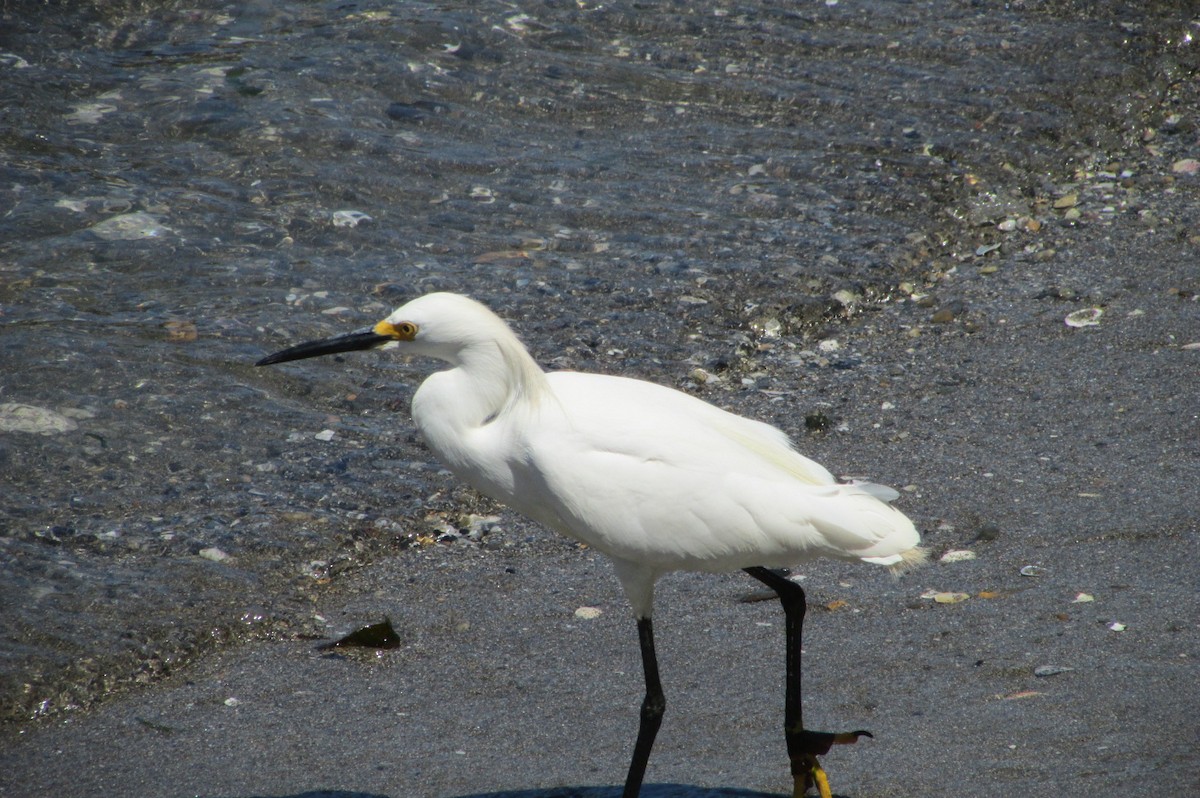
{"x":350,"y":342}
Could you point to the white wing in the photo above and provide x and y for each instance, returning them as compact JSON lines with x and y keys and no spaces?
{"x":651,"y":475}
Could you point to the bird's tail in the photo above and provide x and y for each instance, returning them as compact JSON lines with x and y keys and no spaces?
{"x":903,"y":562}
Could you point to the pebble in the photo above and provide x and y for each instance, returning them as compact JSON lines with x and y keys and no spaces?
{"x":1088,"y":317}
{"x":945,"y":596}
{"x":951,"y":598}
{"x":349,"y":218}
{"x":325,"y":435}
{"x":942,"y":316}
{"x":588,"y":613}
{"x":1066,"y":201}
{"x":767,"y":328}
{"x":829,"y":345}
{"x":1187,"y":166}
{"x":957,"y":555}
{"x":16,"y":417}
{"x":129,"y":227}
{"x":1043,"y":671}
{"x":181,"y":331}
{"x":214,"y":554}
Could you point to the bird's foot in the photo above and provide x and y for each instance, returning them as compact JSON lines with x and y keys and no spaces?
{"x":807,"y":772}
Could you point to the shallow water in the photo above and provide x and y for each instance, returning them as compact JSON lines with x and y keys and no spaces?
{"x":189,"y":186}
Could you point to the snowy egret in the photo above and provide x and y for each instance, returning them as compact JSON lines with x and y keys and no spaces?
{"x":654,"y":478}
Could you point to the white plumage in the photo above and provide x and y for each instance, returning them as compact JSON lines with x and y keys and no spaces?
{"x":654,"y":478}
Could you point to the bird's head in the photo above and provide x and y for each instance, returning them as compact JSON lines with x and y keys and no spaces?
{"x":437,"y":325}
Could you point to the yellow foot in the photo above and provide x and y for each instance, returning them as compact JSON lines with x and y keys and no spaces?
{"x":810,"y":775}
{"x":820,"y":779}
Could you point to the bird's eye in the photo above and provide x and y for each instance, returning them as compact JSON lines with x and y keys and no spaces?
{"x":401,"y":331}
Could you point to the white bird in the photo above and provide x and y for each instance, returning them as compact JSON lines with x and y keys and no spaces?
{"x":655,"y":479}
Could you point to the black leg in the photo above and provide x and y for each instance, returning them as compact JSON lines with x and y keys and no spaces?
{"x":653,"y":706}
{"x":803,"y":746}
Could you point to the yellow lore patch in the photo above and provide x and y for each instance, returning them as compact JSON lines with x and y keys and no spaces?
{"x":404,"y":331}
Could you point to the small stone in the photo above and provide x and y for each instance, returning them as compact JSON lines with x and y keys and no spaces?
{"x":325,"y":435}
{"x":1088,"y":317}
{"x":588,"y":613}
{"x":957,"y":555}
{"x":1187,"y":166}
{"x":942,"y":316}
{"x":1066,"y":201}
{"x":133,"y":226}
{"x":349,"y":218}
{"x":767,"y":327}
{"x":16,"y":417}
{"x":180,"y":331}
{"x":1042,"y":671}
{"x":214,"y":554}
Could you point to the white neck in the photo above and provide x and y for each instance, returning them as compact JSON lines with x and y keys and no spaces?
{"x":492,"y":381}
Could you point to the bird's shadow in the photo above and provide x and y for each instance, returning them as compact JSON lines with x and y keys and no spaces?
{"x":648,"y":791}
